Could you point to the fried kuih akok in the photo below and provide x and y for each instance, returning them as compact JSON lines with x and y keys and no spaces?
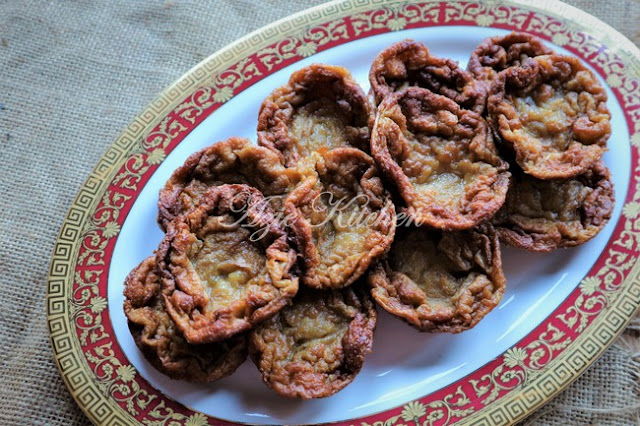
{"x":321,"y":106}
{"x":409,"y":63}
{"x":316,"y":346}
{"x":233,"y":161}
{"x":160,"y":341}
{"x":224,"y":280}
{"x":440,"y":281}
{"x":552,"y":113}
{"x":543,"y":215}
{"x":226,"y":265}
{"x":441,"y":158}
{"x":498,"y":53}
{"x":341,"y":217}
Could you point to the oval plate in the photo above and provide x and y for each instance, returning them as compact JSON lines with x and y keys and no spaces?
{"x":560,"y":311}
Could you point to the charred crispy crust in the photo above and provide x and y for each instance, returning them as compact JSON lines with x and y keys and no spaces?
{"x":408,"y":63}
{"x":552,"y":112}
{"x":316,"y":346}
{"x":320,"y":106}
{"x":160,"y":341}
{"x":233,"y":161}
{"x":498,"y":53}
{"x":441,"y":158}
{"x":226,"y":265}
{"x":543,"y":215}
{"x":340,"y":216}
{"x":440,"y":281}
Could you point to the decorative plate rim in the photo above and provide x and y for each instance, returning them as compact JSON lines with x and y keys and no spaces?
{"x":517,"y":382}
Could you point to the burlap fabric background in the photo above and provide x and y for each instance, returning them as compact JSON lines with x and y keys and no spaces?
{"x":72,"y":75}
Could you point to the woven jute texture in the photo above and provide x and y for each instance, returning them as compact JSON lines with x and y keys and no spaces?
{"x":72,"y":75}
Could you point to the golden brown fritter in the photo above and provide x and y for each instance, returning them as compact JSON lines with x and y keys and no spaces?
{"x":232,"y":161}
{"x":322,"y":106}
{"x":543,"y":215}
{"x":498,"y":53}
{"x":341,"y":217}
{"x":440,"y":281}
{"x":441,"y":158}
{"x":316,"y":346}
{"x":408,"y":63}
{"x":552,"y":112}
{"x":160,"y":341}
{"x":226,"y":265}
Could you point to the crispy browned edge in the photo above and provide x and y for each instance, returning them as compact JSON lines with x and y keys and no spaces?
{"x":596,"y":210}
{"x":502,"y":115}
{"x":445,"y":76}
{"x":301,"y":231}
{"x":169,"y":205}
{"x":174,"y":356}
{"x":382,"y":143}
{"x":232,"y":161}
{"x":472,"y":306}
{"x":497,"y":53}
{"x":281,"y":263}
{"x":356,"y":343}
{"x":309,"y":83}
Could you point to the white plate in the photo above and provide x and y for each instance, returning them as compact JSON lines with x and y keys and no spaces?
{"x":405,"y":364}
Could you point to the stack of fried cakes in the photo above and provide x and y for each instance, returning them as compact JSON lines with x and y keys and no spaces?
{"x":401,"y":197}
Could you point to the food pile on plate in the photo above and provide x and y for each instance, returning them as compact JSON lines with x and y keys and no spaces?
{"x":402,"y":197}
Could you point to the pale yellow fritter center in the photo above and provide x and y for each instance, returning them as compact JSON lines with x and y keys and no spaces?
{"x":316,"y":125}
{"x":228,"y":264}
